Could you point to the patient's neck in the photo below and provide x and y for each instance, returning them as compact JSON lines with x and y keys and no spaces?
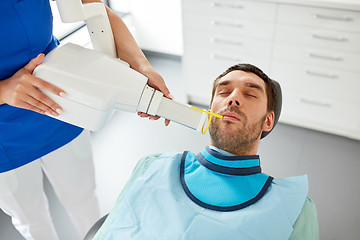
{"x":243,"y":150}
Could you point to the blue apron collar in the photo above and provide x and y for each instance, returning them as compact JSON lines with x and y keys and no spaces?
{"x":229,"y":164}
{"x":222,"y":182}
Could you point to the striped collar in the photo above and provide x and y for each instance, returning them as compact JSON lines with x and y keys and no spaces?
{"x":220,"y":161}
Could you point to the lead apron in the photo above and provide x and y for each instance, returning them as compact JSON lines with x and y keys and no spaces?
{"x":183,"y":196}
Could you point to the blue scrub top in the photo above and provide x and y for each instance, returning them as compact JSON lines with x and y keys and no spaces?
{"x":25,"y":32}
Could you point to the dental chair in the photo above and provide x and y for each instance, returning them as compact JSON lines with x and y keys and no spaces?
{"x":91,"y":233}
{"x":93,"y":230}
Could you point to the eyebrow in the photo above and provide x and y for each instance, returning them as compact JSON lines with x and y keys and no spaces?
{"x":223,"y":83}
{"x":254,"y":85}
{"x":247,"y":84}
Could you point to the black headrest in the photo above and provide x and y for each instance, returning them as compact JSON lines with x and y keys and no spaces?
{"x":278,"y":105}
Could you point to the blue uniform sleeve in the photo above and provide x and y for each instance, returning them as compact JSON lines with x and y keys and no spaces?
{"x":306,"y":225}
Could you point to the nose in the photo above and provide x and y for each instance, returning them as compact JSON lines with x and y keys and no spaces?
{"x":234,"y":99}
{"x":233,"y":103}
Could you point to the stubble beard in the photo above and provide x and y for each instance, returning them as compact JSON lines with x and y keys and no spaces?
{"x":240,"y":140}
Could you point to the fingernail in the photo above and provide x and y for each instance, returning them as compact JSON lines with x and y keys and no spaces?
{"x":62,"y":94}
{"x":47,"y":113}
{"x":171,"y":96}
{"x":55,"y":114}
{"x":59,"y":111}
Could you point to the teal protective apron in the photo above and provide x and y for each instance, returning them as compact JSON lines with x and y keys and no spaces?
{"x":207,"y":196}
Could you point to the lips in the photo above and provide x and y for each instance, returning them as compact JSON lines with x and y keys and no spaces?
{"x":231,"y":116}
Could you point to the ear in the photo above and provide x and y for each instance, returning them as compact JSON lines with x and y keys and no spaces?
{"x":209,"y":111}
{"x":269,"y":121}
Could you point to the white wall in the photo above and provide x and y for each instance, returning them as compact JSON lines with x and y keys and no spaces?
{"x":156,"y":25}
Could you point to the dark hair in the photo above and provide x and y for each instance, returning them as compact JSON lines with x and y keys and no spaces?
{"x":270,"y":87}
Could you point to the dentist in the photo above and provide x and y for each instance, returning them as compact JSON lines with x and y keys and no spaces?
{"x":32,"y":143}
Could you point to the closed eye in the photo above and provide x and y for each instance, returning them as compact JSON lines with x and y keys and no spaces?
{"x":251,"y":95}
{"x":224,"y":93}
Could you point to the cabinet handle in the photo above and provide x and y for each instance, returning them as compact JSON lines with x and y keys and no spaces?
{"x":225,"y":41}
{"x":229,"y":5}
{"x":222,"y":57}
{"x":227,"y":24}
{"x":332,"y":58}
{"x":318,"y":74}
{"x":315,"y":102}
{"x":336,"y":18}
{"x":336,"y":39}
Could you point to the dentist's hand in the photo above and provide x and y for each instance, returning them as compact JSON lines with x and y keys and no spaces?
{"x":22,"y":90}
{"x":157,"y":82}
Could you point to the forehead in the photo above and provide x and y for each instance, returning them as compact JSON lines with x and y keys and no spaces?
{"x":238,"y":77}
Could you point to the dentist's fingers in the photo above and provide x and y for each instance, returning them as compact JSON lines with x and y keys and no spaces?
{"x":151,"y":117}
{"x":23,"y":90}
{"x":156,"y":81}
{"x":43,"y":102}
{"x":145,"y":115}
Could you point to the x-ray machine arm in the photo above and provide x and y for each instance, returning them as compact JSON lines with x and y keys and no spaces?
{"x":97,"y":82}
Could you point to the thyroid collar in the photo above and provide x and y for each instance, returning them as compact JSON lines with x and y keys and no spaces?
{"x":223,"y":183}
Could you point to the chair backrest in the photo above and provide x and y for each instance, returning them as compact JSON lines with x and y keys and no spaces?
{"x":278,"y":106}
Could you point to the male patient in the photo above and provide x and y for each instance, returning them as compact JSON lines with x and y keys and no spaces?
{"x":219,"y":193}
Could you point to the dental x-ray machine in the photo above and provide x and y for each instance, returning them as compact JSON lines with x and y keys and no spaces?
{"x":97,"y":82}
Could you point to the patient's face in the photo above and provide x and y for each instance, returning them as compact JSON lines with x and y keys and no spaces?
{"x":241,"y":98}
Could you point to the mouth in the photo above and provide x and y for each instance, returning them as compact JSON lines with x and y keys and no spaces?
{"x":231,"y":116}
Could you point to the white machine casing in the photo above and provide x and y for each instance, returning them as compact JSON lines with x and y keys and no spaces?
{"x":97,"y":84}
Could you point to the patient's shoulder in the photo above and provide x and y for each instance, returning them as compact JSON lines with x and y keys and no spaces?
{"x":306,"y":225}
{"x":144,"y":163}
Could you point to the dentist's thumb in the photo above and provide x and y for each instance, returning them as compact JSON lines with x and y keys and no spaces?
{"x":30,"y":67}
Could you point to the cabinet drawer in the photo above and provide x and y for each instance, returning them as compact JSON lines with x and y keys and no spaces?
{"x":318,"y":37}
{"x":228,"y":42}
{"x":319,"y":113}
{"x":317,"y":56}
{"x":318,"y":81}
{"x":320,"y":17}
{"x":217,"y":59}
{"x":232,"y":8}
{"x":226,"y":25}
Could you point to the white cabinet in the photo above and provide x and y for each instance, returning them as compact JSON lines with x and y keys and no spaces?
{"x":218,"y":34}
{"x":316,"y":56}
{"x":313,"y":51}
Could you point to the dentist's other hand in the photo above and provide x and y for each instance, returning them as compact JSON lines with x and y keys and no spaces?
{"x":157,"y":82}
{"x":22,"y":90}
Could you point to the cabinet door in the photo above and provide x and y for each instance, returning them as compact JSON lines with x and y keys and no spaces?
{"x":318,"y":81}
{"x":323,"y":38}
{"x":227,"y":25}
{"x":232,"y":8}
{"x":311,"y":55}
{"x":229,"y":42}
{"x":320,"y":17}
{"x":319,"y":113}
